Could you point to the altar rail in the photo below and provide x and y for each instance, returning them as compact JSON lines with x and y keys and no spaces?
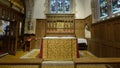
{"x":77,"y":62}
{"x":97,"y":61}
{"x":20,"y":63}
{"x":108,"y":62}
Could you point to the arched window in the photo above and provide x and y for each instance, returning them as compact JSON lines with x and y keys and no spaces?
{"x":60,"y":6}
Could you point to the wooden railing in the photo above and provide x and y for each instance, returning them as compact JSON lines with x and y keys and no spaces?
{"x":20,"y":61}
{"x":79,"y":61}
{"x":98,"y":61}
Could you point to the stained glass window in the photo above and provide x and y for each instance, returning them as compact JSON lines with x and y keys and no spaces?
{"x":3,"y":25}
{"x":115,"y":6}
{"x":59,"y":6}
{"x":67,"y":6}
{"x":103,"y":8}
{"x":53,"y":6}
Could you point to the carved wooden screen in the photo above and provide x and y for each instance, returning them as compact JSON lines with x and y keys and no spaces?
{"x":60,"y":23}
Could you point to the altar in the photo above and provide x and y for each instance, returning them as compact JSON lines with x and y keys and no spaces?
{"x":59,"y":48}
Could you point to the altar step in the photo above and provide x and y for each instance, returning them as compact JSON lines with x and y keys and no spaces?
{"x":57,"y":64}
{"x":69,"y":64}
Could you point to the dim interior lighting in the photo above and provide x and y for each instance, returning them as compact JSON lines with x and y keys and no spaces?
{"x":108,"y":17}
{"x":103,"y":19}
{"x":113,"y":15}
{"x":118,"y":13}
{"x":2,"y":16}
{"x":8,"y":18}
{"x":13,"y":20}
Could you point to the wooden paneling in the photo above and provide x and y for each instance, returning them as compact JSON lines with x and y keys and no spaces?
{"x":79,"y":29}
{"x":80,"y":26}
{"x":60,"y":24}
{"x":105,"y":41}
{"x":10,"y":38}
{"x":8,"y":13}
{"x":40,"y":31}
{"x":116,"y":27}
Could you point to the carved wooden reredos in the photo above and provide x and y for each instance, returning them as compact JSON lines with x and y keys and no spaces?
{"x":60,"y":24}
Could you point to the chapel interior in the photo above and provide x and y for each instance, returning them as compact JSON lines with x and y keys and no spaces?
{"x":59,"y":33}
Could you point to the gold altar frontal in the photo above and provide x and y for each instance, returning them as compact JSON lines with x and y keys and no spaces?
{"x":59,"y":48}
